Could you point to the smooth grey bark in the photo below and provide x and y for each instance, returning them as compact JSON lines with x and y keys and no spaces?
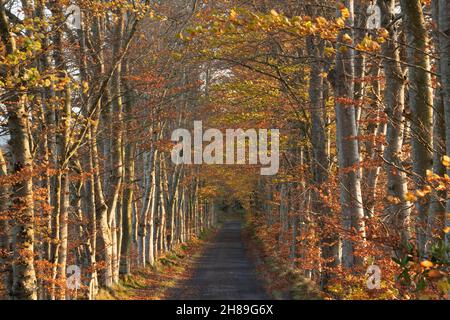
{"x":151,"y":254}
{"x":348,"y":150}
{"x":436,"y":217}
{"x":420,"y":103}
{"x":127,"y":205}
{"x":329,"y":241}
{"x":5,"y":231}
{"x":148,"y":168}
{"x":283,"y":211}
{"x":89,"y":203}
{"x":63,"y":114}
{"x":102,"y":210}
{"x":444,"y":43}
{"x":360,"y":59}
{"x":375,"y":129}
{"x":394,"y":99}
{"x":24,"y":276}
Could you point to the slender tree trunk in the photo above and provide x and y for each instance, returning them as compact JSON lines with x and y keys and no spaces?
{"x":444,"y":44}
{"x":153,"y":212}
{"x":329,"y":240}
{"x":420,"y":103}
{"x":436,"y":217}
{"x":376,"y":128}
{"x":348,"y":150}
{"x":5,"y":236}
{"x":127,"y":210}
{"x":394,"y":99}
{"x":24,"y":276}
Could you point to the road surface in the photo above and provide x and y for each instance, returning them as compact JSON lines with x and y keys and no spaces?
{"x":223,"y":271}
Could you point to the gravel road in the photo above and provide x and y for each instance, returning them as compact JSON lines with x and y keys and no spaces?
{"x":223,"y":271}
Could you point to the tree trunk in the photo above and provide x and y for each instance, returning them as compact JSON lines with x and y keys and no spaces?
{"x":394,"y":99}
{"x":436,"y":217}
{"x":127,"y":210}
{"x":5,"y":236}
{"x":24,"y":276}
{"x":444,"y":43}
{"x":348,"y":150}
{"x":420,"y":103}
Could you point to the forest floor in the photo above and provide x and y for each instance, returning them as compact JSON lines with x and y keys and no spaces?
{"x":216,"y":266}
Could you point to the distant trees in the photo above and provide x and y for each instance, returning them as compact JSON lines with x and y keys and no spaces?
{"x":357,"y":100}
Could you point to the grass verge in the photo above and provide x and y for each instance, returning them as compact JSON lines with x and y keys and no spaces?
{"x":280,"y":280}
{"x":155,"y":282}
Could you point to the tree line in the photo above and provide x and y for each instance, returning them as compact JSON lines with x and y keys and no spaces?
{"x":359,"y":89}
{"x":87,"y":111}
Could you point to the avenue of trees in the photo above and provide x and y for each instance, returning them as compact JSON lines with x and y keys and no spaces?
{"x":87,"y":111}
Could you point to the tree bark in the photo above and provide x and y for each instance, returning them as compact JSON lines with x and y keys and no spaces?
{"x":348,"y":150}
{"x":444,"y":43}
{"x":24,"y":276}
{"x":420,"y":103}
{"x":394,"y":99}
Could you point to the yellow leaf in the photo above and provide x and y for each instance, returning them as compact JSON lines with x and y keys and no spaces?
{"x":410,"y":197}
{"x":420,"y":193}
{"x":446,"y":161}
{"x":426,"y":264}
{"x":343,"y":49}
{"x":85,"y":86}
{"x":329,"y":51}
{"x":345,"y":13}
{"x":393,"y":200}
{"x":347,"y":39}
{"x":47,"y":83}
{"x":321,"y":21}
{"x":340,"y":22}
{"x":274,"y":13}
{"x":233,"y":15}
{"x":426,"y":189}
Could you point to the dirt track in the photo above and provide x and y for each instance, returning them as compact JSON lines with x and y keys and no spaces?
{"x":223,"y":271}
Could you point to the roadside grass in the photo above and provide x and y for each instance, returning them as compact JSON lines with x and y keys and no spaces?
{"x":154,"y":282}
{"x":280,"y":280}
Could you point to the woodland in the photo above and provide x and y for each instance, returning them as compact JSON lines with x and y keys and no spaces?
{"x":360,"y":94}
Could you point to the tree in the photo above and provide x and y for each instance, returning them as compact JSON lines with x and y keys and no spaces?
{"x":347,"y":144}
{"x":398,"y":211}
{"x":420,"y":103}
{"x":24,"y":276}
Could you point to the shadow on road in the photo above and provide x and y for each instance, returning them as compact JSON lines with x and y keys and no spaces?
{"x":223,"y":271}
